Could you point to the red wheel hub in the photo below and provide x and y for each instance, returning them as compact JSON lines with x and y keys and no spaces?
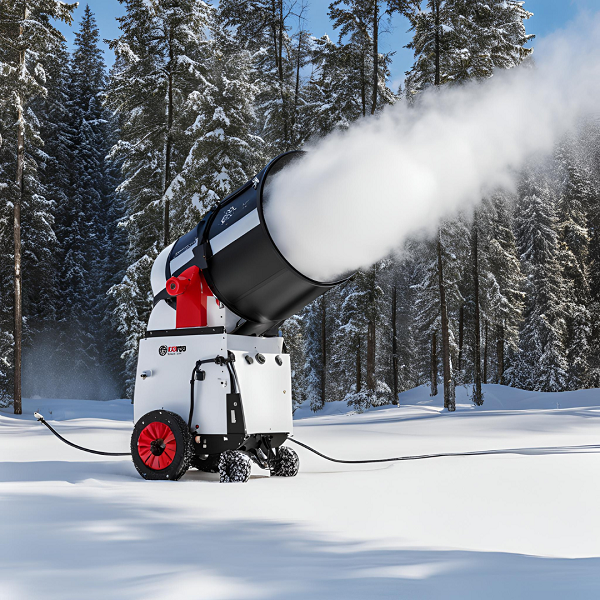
{"x":157,"y":445}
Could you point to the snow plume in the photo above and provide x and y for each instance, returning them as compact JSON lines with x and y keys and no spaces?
{"x":356,"y":196}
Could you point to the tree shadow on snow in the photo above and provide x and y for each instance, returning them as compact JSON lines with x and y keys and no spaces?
{"x":88,"y":545}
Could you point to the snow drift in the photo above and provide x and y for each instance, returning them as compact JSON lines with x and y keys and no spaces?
{"x":366,"y":190}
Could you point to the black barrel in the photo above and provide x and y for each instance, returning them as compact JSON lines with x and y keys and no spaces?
{"x":241,"y":263}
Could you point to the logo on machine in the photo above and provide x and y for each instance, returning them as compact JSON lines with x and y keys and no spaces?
{"x":228,"y":214}
{"x":164,"y":350}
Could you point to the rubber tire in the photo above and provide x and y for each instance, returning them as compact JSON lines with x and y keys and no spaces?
{"x":234,"y":467}
{"x":183,"y":452}
{"x":286,"y":463}
{"x":207,"y":465}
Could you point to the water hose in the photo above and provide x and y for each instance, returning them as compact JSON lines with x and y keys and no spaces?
{"x":538,"y":450}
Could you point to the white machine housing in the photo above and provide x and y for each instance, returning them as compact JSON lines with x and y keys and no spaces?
{"x":165,"y":367}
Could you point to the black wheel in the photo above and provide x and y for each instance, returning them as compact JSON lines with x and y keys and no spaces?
{"x":286,"y":463}
{"x":234,"y":466}
{"x":210,"y":464}
{"x":161,"y":446}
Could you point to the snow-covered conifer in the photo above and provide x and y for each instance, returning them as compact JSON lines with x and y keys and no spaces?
{"x":458,"y":40}
{"x":28,"y":40}
{"x":360,"y":23}
{"x":160,"y":62}
{"x":264,"y":28}
{"x":542,"y":361}
{"x":501,"y":283}
{"x":224,"y":152}
{"x":336,"y":86}
{"x":573,"y":199}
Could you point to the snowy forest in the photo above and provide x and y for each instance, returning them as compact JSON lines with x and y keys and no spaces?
{"x":100,"y":170}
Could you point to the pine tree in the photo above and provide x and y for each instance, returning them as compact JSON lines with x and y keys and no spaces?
{"x":335,"y":90}
{"x":360,"y":22}
{"x":455,"y":41}
{"x":225,"y":153}
{"x":407,"y":276}
{"x":477,"y":377}
{"x":79,"y":133}
{"x":591,"y":149}
{"x":358,"y":349}
{"x":160,"y":65}
{"x":265,"y":29}
{"x":542,"y":362}
{"x":317,"y":333}
{"x":438,"y":298}
{"x":27,"y":36}
{"x":432,"y":48}
{"x":293,"y":333}
{"x":573,"y":256}
{"x":54,"y":117}
{"x":459,"y":40}
{"x":427,"y":314}
{"x":502,"y":281}
{"x":487,"y":35}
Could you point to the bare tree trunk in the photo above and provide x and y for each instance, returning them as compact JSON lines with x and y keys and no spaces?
{"x":371,"y":355}
{"x":297,"y":88}
{"x":477,"y":394}
{"x":394,"y":347}
{"x":358,"y":366}
{"x":375,"y":55}
{"x":363,"y":85}
{"x":437,"y":42}
{"x":433,"y":366}
{"x":323,"y":350}
{"x":274,"y":34}
{"x":280,"y":34}
{"x":168,"y":143}
{"x":20,"y":181}
{"x":500,"y":354}
{"x":461,"y":334}
{"x":449,"y":395}
{"x":371,"y":330}
{"x":279,"y":50}
{"x":485,"y":353}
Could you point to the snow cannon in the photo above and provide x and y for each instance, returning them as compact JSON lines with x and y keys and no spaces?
{"x":213,"y":383}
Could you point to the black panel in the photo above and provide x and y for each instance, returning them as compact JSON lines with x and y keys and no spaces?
{"x":256,"y":441}
{"x":215,"y":444}
{"x":184,"y":331}
{"x":234,"y":409}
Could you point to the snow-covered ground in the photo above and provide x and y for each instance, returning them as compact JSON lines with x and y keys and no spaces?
{"x":524,"y":525}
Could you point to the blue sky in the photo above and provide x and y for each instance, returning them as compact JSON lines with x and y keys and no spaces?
{"x":549,"y":15}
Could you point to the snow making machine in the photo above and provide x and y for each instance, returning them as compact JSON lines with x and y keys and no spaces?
{"x":213,"y":383}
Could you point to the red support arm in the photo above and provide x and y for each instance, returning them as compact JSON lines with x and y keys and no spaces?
{"x":192,"y":292}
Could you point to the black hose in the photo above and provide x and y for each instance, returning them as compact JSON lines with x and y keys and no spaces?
{"x":192,"y":379}
{"x":446,"y":454}
{"x":233,"y":373}
{"x":540,"y":450}
{"x":60,"y":437}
